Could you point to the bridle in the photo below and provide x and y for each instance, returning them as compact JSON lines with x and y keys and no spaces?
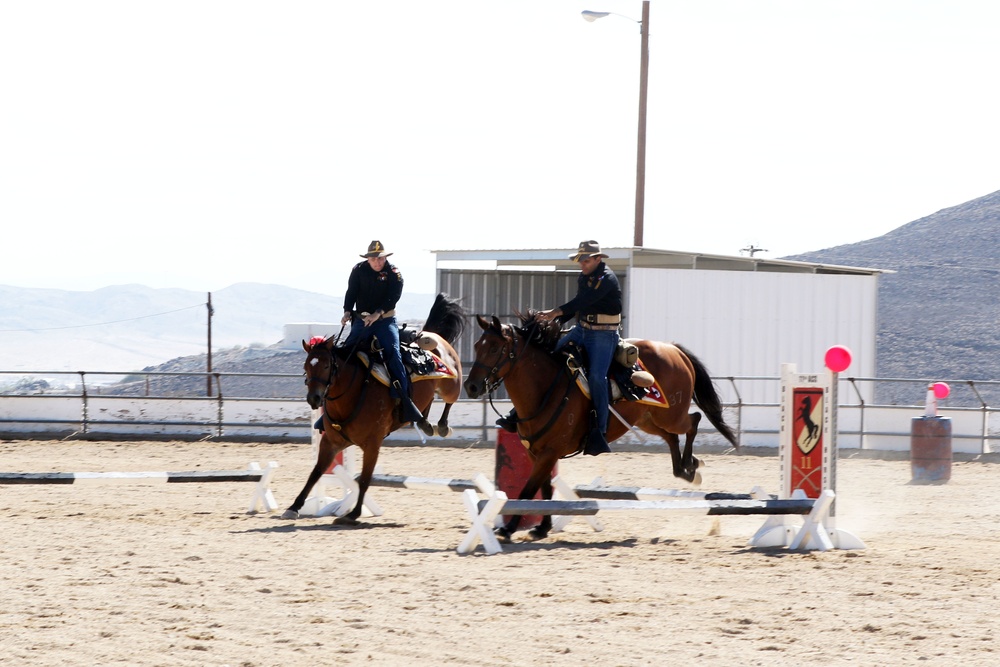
{"x":330,"y":375}
{"x":503,"y":359}
{"x":327,"y":399}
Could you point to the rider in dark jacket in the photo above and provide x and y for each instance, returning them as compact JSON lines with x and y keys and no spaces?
{"x":598,"y":309}
{"x":373,"y":289}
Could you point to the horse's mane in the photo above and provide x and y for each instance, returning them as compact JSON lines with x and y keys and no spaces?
{"x":446,"y":319}
{"x":543,"y":334}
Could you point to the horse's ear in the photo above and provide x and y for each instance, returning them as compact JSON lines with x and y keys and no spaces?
{"x":496,"y":323}
{"x":483,"y":324}
{"x":306,"y":346}
{"x":330,"y":342}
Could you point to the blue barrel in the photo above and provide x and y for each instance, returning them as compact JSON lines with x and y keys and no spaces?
{"x":930,"y":450}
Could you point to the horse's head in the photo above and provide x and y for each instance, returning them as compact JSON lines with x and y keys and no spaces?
{"x":320,"y":368}
{"x":495,"y":351}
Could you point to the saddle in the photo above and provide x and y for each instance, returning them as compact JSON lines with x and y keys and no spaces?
{"x":420,"y":363}
{"x":627,"y":377}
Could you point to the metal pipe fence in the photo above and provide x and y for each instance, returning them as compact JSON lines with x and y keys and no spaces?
{"x":270,"y":405}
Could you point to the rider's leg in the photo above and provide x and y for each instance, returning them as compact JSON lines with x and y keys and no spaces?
{"x":388,"y":337}
{"x":600,"y":347}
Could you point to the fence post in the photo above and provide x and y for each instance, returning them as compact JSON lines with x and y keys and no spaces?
{"x":218,"y":384}
{"x":83,"y":398}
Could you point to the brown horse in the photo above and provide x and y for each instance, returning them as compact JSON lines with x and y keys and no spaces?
{"x":358,"y":409}
{"x":554,"y":412}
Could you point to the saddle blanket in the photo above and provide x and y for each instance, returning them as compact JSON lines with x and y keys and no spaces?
{"x":654,"y":395}
{"x":441,"y":370}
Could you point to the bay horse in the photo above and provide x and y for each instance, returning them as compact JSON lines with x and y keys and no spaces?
{"x":554,"y":412}
{"x":357,"y":407}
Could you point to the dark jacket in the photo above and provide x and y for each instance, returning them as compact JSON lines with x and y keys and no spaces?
{"x":597,"y":293}
{"x":369,"y":290}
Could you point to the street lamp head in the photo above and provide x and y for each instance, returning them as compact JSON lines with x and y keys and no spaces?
{"x":593,"y":16}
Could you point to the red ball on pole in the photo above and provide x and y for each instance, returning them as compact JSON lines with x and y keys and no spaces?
{"x":838,"y":358}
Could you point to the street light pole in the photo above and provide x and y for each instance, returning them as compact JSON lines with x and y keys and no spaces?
{"x":640,"y":151}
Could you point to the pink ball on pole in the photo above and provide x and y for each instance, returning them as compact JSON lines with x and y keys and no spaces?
{"x":941,"y":389}
{"x":838,"y":358}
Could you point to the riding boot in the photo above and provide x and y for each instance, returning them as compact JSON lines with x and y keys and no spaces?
{"x":408,"y":410}
{"x":509,"y":423}
{"x":596,"y":443}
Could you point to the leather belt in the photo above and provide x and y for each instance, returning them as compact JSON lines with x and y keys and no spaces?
{"x":388,"y":313}
{"x":599,"y":327}
{"x":601,"y":318}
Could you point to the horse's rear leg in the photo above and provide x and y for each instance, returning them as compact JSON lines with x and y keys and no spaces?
{"x":327,"y":450}
{"x":684,"y":462}
{"x":369,"y":459}
{"x":442,"y":429}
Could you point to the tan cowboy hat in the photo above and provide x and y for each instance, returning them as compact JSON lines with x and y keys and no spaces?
{"x":376,"y":249}
{"x":587,"y":249}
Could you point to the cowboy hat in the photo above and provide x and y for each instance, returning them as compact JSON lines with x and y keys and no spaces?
{"x":376,"y":249}
{"x":587,"y":249}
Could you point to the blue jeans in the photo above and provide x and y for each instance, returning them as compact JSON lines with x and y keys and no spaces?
{"x":600,"y":347}
{"x":386,"y":332}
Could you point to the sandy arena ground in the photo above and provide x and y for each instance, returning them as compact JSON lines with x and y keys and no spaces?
{"x":180,"y":574}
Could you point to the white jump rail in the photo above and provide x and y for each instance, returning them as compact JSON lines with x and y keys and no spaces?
{"x":348,"y":482}
{"x":483,"y":513}
{"x":262,"y":497}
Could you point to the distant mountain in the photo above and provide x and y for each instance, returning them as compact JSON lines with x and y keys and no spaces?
{"x":130,"y":327}
{"x":938,"y":314}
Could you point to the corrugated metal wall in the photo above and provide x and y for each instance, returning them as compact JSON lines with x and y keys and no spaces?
{"x":744,"y":323}
{"x":739,"y":323}
{"x":499,"y":293}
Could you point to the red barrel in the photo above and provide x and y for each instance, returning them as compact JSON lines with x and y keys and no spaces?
{"x":930,"y":449}
{"x":513,"y":467}
{"x":338,"y":460}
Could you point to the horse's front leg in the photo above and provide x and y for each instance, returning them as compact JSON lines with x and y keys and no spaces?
{"x":442,"y":429}
{"x":369,"y":459}
{"x":541,"y":531}
{"x":327,"y":450}
{"x":541,"y":475}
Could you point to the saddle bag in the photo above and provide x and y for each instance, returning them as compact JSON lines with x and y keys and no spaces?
{"x":626,"y":353}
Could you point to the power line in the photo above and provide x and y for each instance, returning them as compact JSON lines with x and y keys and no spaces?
{"x":101,"y":324}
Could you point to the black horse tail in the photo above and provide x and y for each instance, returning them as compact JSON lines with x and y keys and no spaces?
{"x":706,"y":398}
{"x":446,"y":319}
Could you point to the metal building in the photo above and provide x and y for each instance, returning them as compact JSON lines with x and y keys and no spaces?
{"x":742,"y":316}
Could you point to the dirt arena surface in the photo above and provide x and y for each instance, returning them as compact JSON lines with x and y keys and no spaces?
{"x":180,"y":574}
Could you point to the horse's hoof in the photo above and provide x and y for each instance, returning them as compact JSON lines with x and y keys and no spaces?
{"x":426,"y":427}
{"x":345,"y":521}
{"x":696,"y":481}
{"x":503,"y":537}
{"x":443,"y":431}
{"x":535,"y":534}
{"x":289,"y":514}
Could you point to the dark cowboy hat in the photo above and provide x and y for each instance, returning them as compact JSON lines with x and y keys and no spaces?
{"x":376,"y":249}
{"x":587,"y":249}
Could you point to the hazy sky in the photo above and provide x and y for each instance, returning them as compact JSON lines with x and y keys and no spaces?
{"x":200,"y":144}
